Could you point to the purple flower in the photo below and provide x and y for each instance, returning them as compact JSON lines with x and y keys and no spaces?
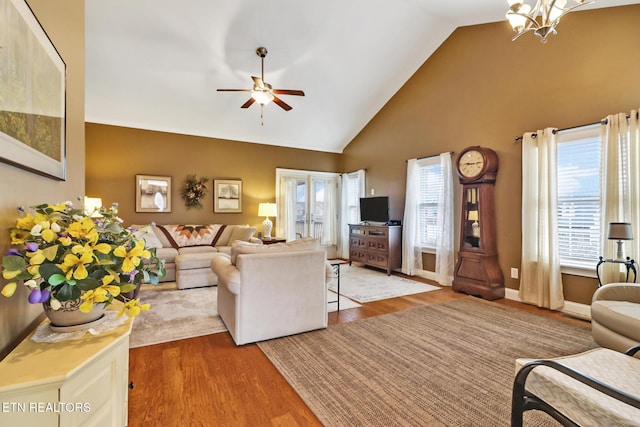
{"x":44,"y":295}
{"x":13,"y":251}
{"x":20,"y":208}
{"x":153,"y":223}
{"x":31,"y":247}
{"x":132,"y":275}
{"x":35,"y":296}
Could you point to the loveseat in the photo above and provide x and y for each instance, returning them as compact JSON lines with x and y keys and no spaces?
{"x":272,"y":291}
{"x":615,"y":316}
{"x":188,"y":249}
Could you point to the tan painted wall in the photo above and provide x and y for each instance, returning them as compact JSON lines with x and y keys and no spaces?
{"x":63,"y":21}
{"x":480,"y":88}
{"x":116,"y":154}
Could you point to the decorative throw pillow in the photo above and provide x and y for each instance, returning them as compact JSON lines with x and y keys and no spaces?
{"x":145,"y":232}
{"x":241,"y":233}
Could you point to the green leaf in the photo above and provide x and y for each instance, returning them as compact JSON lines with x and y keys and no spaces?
{"x":127,"y":287}
{"x":56,"y":279}
{"x":13,"y":262}
{"x":47,"y":270}
{"x":88,"y":284}
{"x":67,"y":292}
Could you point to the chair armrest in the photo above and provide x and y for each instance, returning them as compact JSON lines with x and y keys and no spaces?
{"x":618,"y":292}
{"x":228,"y":274}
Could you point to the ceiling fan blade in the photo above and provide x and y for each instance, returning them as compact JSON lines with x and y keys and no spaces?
{"x":281,"y":103}
{"x":233,"y":90}
{"x":248,"y":103}
{"x":258,"y":82}
{"x":288,"y":92}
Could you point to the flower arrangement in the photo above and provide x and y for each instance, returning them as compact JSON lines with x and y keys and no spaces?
{"x":194,"y":191}
{"x":63,"y":254}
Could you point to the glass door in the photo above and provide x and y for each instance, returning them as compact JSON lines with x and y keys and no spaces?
{"x":307,"y":205}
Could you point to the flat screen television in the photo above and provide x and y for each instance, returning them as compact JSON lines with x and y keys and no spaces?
{"x":374,"y":209}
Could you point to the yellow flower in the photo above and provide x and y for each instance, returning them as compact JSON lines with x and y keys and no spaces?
{"x":98,"y":295}
{"x":66,"y":241}
{"x":19,"y":236}
{"x":26,"y":223}
{"x":83,"y":229}
{"x":10,"y":274}
{"x":74,"y":263}
{"x":132,"y":257}
{"x":9,"y":289}
{"x":133,"y":308}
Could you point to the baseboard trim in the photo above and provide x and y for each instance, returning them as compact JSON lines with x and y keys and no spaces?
{"x":576,"y":309}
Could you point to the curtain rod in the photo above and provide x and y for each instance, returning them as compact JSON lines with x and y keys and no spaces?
{"x":433,"y":155}
{"x":602,"y":122}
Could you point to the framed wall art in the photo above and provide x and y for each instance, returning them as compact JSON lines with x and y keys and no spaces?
{"x":153,"y":193}
{"x":32,"y":88}
{"x":227,"y":196}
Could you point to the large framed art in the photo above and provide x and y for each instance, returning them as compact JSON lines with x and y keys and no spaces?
{"x":227,"y":197}
{"x":153,"y":193}
{"x":32,"y":94}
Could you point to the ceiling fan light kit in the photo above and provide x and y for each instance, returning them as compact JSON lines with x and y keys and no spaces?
{"x":262,"y":92}
{"x":542,"y":19}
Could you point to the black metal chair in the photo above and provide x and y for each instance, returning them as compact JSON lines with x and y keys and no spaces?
{"x":524,"y":399}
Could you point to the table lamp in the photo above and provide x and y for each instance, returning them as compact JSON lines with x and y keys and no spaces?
{"x":620,"y":231}
{"x":92,"y":206}
{"x":266,"y":210}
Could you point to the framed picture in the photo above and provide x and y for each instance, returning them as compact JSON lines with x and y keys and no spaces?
{"x":227,"y":195}
{"x":32,"y":104}
{"x":153,"y":193}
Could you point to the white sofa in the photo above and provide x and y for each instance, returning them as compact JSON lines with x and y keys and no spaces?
{"x":188,"y":249}
{"x":272,"y":291}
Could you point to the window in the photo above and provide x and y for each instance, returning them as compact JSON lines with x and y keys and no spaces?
{"x":579,"y":171}
{"x":353,"y":190}
{"x":429,"y":193}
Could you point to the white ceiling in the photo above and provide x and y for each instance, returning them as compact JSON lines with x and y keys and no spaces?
{"x":156,"y":64}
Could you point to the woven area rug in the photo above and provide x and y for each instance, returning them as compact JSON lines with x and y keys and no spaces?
{"x":175,"y":314}
{"x":447,"y":364}
{"x":365,"y":285}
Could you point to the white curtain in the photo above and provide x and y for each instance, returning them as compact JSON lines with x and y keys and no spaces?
{"x":541,"y":280}
{"x":286,"y":225}
{"x":411,"y":252}
{"x":351,"y":189}
{"x":620,"y":188}
{"x":329,"y":234}
{"x":445,"y":237}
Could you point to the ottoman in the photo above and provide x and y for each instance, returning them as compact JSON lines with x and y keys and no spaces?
{"x":194,"y":270}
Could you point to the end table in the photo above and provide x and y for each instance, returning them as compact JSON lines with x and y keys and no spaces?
{"x":628,"y":263}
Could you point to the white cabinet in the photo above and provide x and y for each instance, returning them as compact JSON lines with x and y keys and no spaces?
{"x":72,"y":383}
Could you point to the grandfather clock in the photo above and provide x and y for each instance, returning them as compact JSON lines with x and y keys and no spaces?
{"x":477,"y":271}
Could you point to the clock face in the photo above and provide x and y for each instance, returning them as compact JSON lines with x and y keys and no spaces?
{"x":471,"y":163}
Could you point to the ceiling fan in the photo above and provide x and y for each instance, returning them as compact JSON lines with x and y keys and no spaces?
{"x":262,"y":91}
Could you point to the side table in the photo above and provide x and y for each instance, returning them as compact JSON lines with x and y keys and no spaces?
{"x":335,"y":265}
{"x":628,"y":263}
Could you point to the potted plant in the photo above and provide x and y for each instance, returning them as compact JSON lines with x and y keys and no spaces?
{"x":73,"y":260}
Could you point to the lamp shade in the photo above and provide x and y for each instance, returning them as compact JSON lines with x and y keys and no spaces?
{"x":620,"y":231}
{"x":267,"y":209}
{"x":92,"y":206}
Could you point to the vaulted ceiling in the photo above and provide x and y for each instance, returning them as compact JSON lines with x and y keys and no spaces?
{"x":156,"y":64}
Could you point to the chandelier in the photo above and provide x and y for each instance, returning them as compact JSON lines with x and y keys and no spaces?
{"x":542,"y":19}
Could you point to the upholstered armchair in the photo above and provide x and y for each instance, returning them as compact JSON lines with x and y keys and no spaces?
{"x":272,"y":291}
{"x":615,"y":316}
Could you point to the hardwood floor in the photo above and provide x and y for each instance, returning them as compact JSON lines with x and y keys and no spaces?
{"x":208,"y":381}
